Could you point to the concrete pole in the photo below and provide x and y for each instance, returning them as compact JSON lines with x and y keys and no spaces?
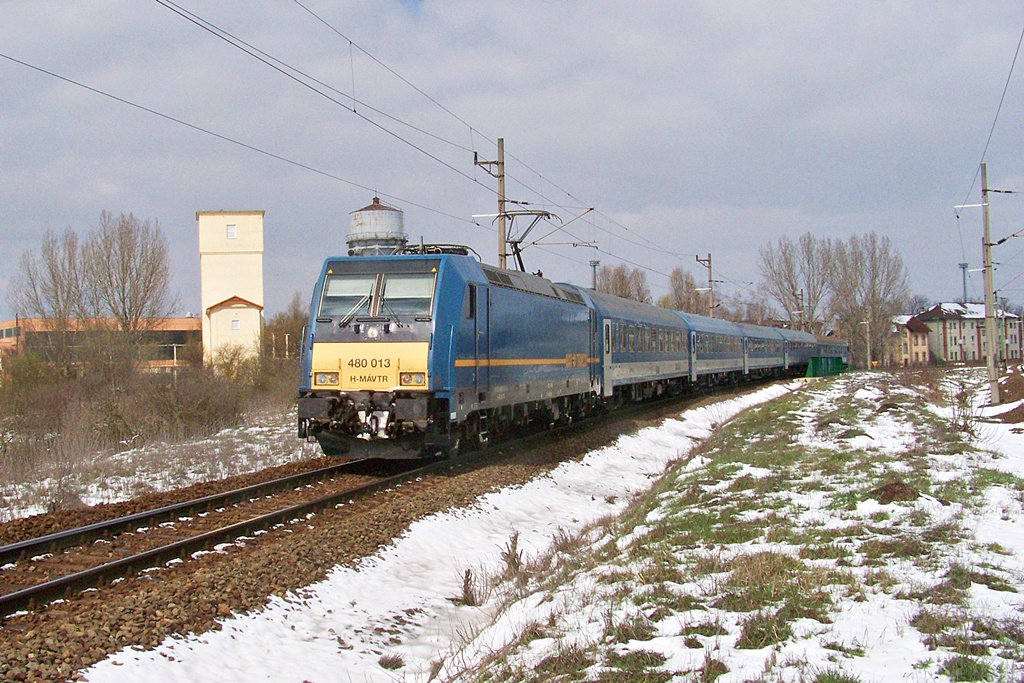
{"x":711,"y":291}
{"x":991,"y":334}
{"x":501,"y":203}
{"x":868,"y":324}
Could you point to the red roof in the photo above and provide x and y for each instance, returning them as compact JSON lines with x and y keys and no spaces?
{"x":234,"y":301}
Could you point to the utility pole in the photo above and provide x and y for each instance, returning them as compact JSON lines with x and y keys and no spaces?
{"x":803,"y":315}
{"x":869,"y":343}
{"x":593,"y":273}
{"x":990,"y":306}
{"x":711,"y":287}
{"x":500,"y":175}
{"x":963,"y":267}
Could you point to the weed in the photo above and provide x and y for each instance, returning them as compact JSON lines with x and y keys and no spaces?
{"x":569,"y":660}
{"x":762,"y":629}
{"x":512,"y":557}
{"x":945,"y":593}
{"x":663,"y":597}
{"x":633,"y":627}
{"x":830,"y":551}
{"x":855,"y":650}
{"x":933,"y":621}
{"x":711,"y":669}
{"x":391,"y":661}
{"x":473,"y":590}
{"x":961,"y":668}
{"x":635,"y":659}
{"x":707,"y":629}
{"x":831,"y":675}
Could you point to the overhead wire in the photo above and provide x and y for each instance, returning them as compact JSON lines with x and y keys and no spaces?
{"x":995,"y":119}
{"x":229,"y":139}
{"x":988,"y":142}
{"x":646,"y":243}
{"x":294,"y":74}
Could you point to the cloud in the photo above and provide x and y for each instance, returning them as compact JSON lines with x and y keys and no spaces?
{"x":718,"y":126}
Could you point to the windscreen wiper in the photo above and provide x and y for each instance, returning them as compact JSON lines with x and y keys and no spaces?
{"x":384,"y":303}
{"x":352,"y":311}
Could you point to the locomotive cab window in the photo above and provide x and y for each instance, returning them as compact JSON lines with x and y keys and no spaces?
{"x":407,"y":294}
{"x":395,"y":295}
{"x":347,"y":294}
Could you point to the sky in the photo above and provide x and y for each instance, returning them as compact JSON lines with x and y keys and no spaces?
{"x":689,"y":128}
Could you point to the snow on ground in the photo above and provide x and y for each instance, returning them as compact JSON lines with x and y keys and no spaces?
{"x":397,"y":602}
{"x":111,"y":477}
{"x":912,"y":590}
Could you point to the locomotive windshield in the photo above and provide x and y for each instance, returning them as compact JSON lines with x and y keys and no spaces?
{"x":407,"y":294}
{"x":391,"y":295}
{"x":347,"y":294}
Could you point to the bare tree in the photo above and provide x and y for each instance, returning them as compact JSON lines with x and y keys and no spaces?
{"x":683,"y":295}
{"x":129,"y":270}
{"x":283,"y":334}
{"x":869,"y":287}
{"x":51,"y":286}
{"x":621,"y":281}
{"x":796,"y":275}
{"x":756,"y":310}
{"x":917,"y":303}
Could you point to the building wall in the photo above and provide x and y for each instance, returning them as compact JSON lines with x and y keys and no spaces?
{"x":234,"y":326}
{"x":913,"y":347}
{"x":230,"y":265}
{"x":962,"y":340}
{"x":164,"y":346}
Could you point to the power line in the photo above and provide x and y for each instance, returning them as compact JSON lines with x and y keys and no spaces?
{"x":646,"y":243}
{"x":995,"y":119}
{"x":294,"y":74}
{"x":231,"y":140}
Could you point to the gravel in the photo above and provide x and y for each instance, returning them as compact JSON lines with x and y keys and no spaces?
{"x":190,"y":597}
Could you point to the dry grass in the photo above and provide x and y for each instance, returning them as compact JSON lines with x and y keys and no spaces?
{"x":63,"y":440}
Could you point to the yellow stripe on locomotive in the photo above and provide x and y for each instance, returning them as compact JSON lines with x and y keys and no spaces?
{"x":378,"y":366}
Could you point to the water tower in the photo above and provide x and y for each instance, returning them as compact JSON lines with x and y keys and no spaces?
{"x":376,"y":229}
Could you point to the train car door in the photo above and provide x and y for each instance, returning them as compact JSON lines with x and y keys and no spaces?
{"x":746,"y":355}
{"x":693,"y":356}
{"x":606,"y":363}
{"x":482,"y":343}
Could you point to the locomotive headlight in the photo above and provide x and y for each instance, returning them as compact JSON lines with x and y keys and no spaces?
{"x":326,"y":378}
{"x":412,"y":379}
{"x":372,"y":332}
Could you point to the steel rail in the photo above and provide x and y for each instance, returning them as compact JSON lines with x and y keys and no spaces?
{"x":61,"y":540}
{"x":27,"y":598}
{"x":32,"y":596}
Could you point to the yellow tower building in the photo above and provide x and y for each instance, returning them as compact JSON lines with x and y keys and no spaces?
{"x":231,"y":281}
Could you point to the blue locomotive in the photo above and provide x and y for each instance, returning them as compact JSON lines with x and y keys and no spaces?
{"x":415,"y":354}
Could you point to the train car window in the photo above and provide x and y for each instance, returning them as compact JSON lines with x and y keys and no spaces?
{"x":347,"y":294}
{"x":469,"y":302}
{"x":407,"y":294}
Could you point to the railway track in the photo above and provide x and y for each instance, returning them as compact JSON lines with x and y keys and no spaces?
{"x":36,"y":571}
